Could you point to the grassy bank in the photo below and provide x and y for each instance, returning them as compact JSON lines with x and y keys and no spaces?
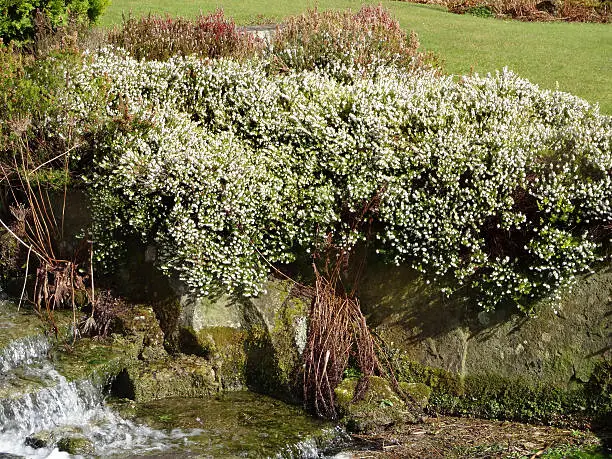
{"x":575,"y":55}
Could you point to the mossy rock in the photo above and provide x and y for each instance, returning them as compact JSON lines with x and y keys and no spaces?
{"x":379,"y":409}
{"x":180,"y":376}
{"x":225,"y":350}
{"x":492,"y":396}
{"x":254,"y":343}
{"x":417,"y":392}
{"x":288,"y":337}
{"x":26,"y":324}
{"x":560,"y":344}
{"x":77,"y":446}
{"x":95,"y":359}
{"x":140,"y":320}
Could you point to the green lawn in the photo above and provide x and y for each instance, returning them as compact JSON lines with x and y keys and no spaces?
{"x":576,"y":56}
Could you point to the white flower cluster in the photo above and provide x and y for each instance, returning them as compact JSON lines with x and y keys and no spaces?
{"x":488,"y":181}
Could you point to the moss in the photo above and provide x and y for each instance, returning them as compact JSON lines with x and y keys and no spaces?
{"x":181,"y":376}
{"x":417,"y":392}
{"x":78,"y":446}
{"x":435,"y":378}
{"x":15,"y":325}
{"x":491,"y":396}
{"x":225,"y":349}
{"x":95,"y":360}
{"x":288,"y":340}
{"x":233,"y":424}
{"x":379,"y":408}
{"x":9,"y":254}
{"x":576,"y":452}
{"x":345,"y":393}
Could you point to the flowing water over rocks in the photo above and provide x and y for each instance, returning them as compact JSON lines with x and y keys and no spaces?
{"x":51,"y":407}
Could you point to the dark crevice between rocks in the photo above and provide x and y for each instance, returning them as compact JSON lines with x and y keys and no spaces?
{"x":122,"y":386}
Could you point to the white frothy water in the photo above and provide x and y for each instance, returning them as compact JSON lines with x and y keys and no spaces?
{"x":23,"y":351}
{"x":313,"y":448}
{"x":76,"y":407}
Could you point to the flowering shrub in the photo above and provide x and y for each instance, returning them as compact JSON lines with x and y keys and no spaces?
{"x":535,"y":10}
{"x":370,"y":36}
{"x":159,"y":38}
{"x":488,"y":181}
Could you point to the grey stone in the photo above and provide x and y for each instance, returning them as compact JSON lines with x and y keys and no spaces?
{"x":561,"y":344}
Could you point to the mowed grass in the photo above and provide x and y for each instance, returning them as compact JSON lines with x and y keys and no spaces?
{"x":573,"y":56}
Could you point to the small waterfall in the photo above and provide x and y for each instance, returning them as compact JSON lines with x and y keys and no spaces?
{"x":50,"y":406}
{"x":314,"y":447}
{"x":75,"y":407}
{"x":51,"y":403}
{"x":23,"y":351}
{"x":40,"y":406}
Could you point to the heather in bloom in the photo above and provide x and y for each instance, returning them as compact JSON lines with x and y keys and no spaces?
{"x":487,"y":182}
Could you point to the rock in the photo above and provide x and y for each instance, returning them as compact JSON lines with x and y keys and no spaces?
{"x":447,"y":333}
{"x":502,"y":364}
{"x":380,"y":407}
{"x":66,"y":438}
{"x":38,"y":440}
{"x":78,"y":446}
{"x":418,"y":392}
{"x":139,"y":321}
{"x":180,"y":376}
{"x":150,"y":353}
{"x":250,"y":342}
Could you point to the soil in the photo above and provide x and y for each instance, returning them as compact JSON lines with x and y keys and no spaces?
{"x":447,"y":437}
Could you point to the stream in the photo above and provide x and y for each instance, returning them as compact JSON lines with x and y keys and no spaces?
{"x":45,"y":412}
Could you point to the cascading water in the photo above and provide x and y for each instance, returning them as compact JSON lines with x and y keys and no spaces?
{"x":43,"y":403}
{"x":35,"y":397}
{"x":23,"y":351}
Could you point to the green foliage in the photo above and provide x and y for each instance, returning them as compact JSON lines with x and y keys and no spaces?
{"x":351,"y":373}
{"x":18,"y":17}
{"x":488,"y":181}
{"x":481,"y":11}
{"x":573,"y":452}
{"x":30,"y":110}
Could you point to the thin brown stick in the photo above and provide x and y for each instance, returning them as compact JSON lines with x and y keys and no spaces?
{"x":25,"y":280}
{"x":74,"y":321}
{"x":56,"y":157}
{"x":21,"y":241}
{"x":93,"y":293}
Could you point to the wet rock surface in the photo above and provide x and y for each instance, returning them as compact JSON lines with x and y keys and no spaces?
{"x":237,"y":424}
{"x":55,"y":405}
{"x":179,"y":376}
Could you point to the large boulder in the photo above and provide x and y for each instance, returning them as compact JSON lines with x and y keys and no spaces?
{"x":180,"y":376}
{"x":252,"y":343}
{"x":536,"y":368}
